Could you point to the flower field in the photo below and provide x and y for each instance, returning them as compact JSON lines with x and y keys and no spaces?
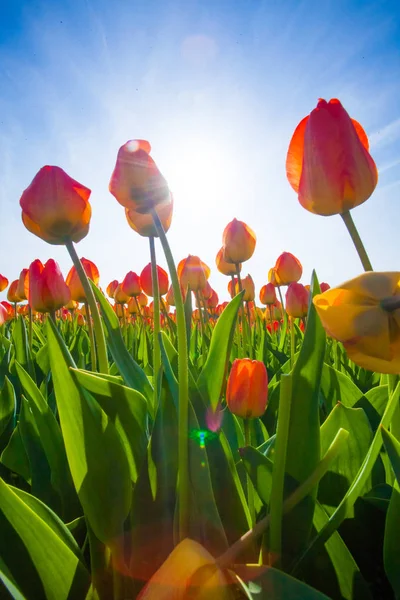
{"x":156,"y":443}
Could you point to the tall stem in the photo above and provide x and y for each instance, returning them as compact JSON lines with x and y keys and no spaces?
{"x":355,"y":236}
{"x":292,"y":342}
{"x":98,"y":327}
{"x":202,"y":329}
{"x":250,"y":490}
{"x":91,"y":337}
{"x":183,"y":373}
{"x":243,"y":320}
{"x":30,"y":327}
{"x":156,"y":321}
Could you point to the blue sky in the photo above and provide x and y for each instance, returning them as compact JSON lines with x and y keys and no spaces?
{"x":218,"y":88}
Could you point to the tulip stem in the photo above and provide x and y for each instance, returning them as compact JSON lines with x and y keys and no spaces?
{"x":243,"y":319}
{"x":183,"y":375}
{"x":355,"y":236}
{"x":278,"y":473}
{"x":98,"y":327}
{"x":156,"y":321}
{"x":250,"y":490}
{"x":202,"y":328}
{"x":91,"y":337}
{"x":292,"y":342}
{"x":30,"y":327}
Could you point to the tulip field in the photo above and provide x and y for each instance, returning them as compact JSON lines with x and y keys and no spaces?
{"x":160,"y":443}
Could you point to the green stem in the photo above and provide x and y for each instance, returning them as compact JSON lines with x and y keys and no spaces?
{"x":355,"y":236}
{"x":98,"y":327}
{"x":30,"y":327}
{"x":156,"y":322}
{"x":183,"y":375}
{"x":249,"y":323}
{"x":202,"y":328}
{"x":278,"y":474}
{"x":243,"y":320}
{"x":395,"y":424}
{"x":250,"y":489}
{"x":91,"y":337}
{"x":230,"y":556}
{"x":292,"y":342}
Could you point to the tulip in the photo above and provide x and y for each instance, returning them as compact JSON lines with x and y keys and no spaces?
{"x":212,"y":301}
{"x":288,"y":269}
{"x":247,"y":389}
{"x":81,"y":320}
{"x":143,"y":223}
{"x":324,"y":286}
{"x":133,"y":306}
{"x":136,"y":181}
{"x":268,"y":294}
{"x":189,"y":571}
{"x":143,"y":299}
{"x":47,"y":289}
{"x":131,"y":284}
{"x":74,"y":283}
{"x":239,"y":242}
{"x":328,"y":163}
{"x":233,"y":287}
{"x":272,"y":277}
{"x":249,"y":289}
{"x":112,"y":286}
{"x":297,"y":297}
{"x":119,"y":295}
{"x":3,"y":283}
{"x":224,"y":267}
{"x":12,"y":295}
{"x":23,"y":285}
{"x":147,"y":284}
{"x":71,"y":305}
{"x":55,"y":207}
{"x":3,"y":314}
{"x":364,"y":314}
{"x":193,"y":273}
{"x":206,"y":291}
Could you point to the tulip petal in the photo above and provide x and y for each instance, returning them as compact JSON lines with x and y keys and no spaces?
{"x":294,"y":159}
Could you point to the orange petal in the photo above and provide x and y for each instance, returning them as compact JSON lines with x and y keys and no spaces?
{"x":294,"y":159}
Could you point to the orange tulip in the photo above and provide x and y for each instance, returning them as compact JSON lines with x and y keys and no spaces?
{"x":47,"y":289}
{"x":143,"y":299}
{"x":206,"y":291}
{"x":9,"y":309}
{"x":3,"y":283}
{"x":224,"y":267}
{"x":328,"y":163}
{"x":249,"y":289}
{"x":71,"y":305}
{"x":136,"y":181}
{"x":272,"y":277}
{"x":247,"y":389}
{"x":239,"y":242}
{"x":112,"y":286}
{"x":3,"y":314}
{"x":74,"y":283}
{"x":212,"y":301}
{"x":143,"y":223}
{"x":287,"y":269}
{"x":297,"y":297}
{"x":364,"y":314}
{"x":12,"y":295}
{"x":55,"y":207}
{"x":119,"y":295}
{"x":268,"y":294}
{"x":193,"y":273}
{"x":23,"y":285}
{"x":147,"y":284}
{"x":131,"y":284}
{"x":132,"y":306}
{"x":233,"y":287}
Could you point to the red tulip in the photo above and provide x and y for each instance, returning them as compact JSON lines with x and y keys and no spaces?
{"x":268,"y":294}
{"x":47,"y":289}
{"x":239,"y":242}
{"x":12,"y":295}
{"x":112,"y":286}
{"x":3,"y":283}
{"x":147,"y":284}
{"x":23,"y":285}
{"x":287,"y":269}
{"x":328,"y":163}
{"x":131,"y":284}
{"x":297,"y":297}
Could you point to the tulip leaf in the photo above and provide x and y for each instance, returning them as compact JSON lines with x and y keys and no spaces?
{"x":303,"y":440}
{"x":212,"y":377}
{"x":337,"y":387}
{"x":7,"y":411}
{"x":391,"y":547}
{"x":132,"y":374}
{"x":41,"y":564}
{"x":14,"y":456}
{"x":374,"y":403}
{"x":22,"y":352}
{"x":126,"y":408}
{"x":9,"y":583}
{"x":96,"y":456}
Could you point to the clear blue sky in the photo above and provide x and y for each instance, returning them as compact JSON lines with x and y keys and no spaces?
{"x":217,"y":87}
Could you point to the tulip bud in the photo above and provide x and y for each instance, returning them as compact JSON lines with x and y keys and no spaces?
{"x":23,"y":285}
{"x":142,"y":299}
{"x":297,"y":297}
{"x":3,"y":314}
{"x":328,"y":163}
{"x":112,"y":286}
{"x":239,"y":242}
{"x":3,"y":283}
{"x":119,"y":295}
{"x":193,"y":273}
{"x":55,"y":207}
{"x":143,"y":223}
{"x":212,"y":301}
{"x":249,"y":289}
{"x":131,"y":284}
{"x":247,"y":389}
{"x":288,"y":269}
{"x":146,"y":282}
{"x":47,"y":289}
{"x":272,"y":277}
{"x":224,"y":267}
{"x":324,"y":287}
{"x":74,"y":283}
{"x":136,"y":181}
{"x":12,"y":295}
{"x":268,"y":294}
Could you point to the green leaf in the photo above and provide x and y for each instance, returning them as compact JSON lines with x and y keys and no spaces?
{"x":9,"y":583}
{"x":337,"y":387}
{"x":126,"y":408}
{"x":43,"y":566}
{"x":337,"y":481}
{"x":132,"y":374}
{"x":374,"y":403}
{"x":96,"y":456}
{"x":53,"y":445}
{"x":22,"y":352}
{"x":212,"y":377}
{"x":14,"y":456}
{"x":7,"y":411}
{"x":303,"y":447}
